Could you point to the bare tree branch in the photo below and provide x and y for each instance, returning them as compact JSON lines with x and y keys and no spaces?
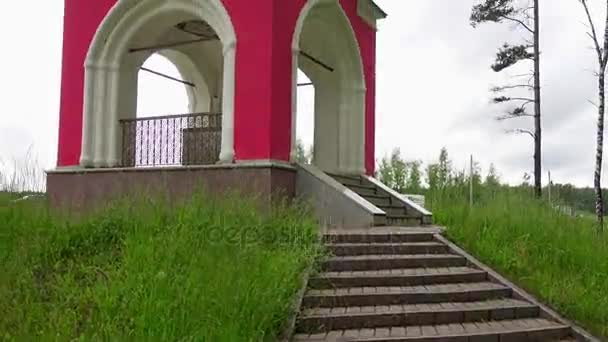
{"x":519,"y":22}
{"x":521,"y":131}
{"x":498,"y":89}
{"x":593,"y":34}
{"x":593,"y":103}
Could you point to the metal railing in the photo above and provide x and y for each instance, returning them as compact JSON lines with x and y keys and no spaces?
{"x":171,"y":140}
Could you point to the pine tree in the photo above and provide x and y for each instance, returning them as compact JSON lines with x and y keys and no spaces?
{"x":518,"y":12}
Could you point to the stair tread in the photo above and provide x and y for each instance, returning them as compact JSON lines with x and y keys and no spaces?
{"x":372,"y":257}
{"x":436,"y":332}
{"x":402,"y":272}
{"x":384,"y":231}
{"x":415,"y":308}
{"x":362,"y":186}
{"x":388,"y":290}
{"x":363,"y":244}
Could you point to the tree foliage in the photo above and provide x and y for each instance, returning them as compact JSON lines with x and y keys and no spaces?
{"x":302,"y":155}
{"x":402,"y":176}
{"x":508,"y":55}
{"x":491,"y":11}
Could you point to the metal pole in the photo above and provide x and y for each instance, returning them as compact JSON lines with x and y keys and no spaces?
{"x":471,"y":184}
{"x":169,"y":77}
{"x":316,"y":61}
{"x":549,"y":188}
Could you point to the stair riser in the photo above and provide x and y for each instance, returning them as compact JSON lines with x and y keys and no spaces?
{"x":407,"y":222}
{"x":338,"y":282}
{"x":395,"y":210}
{"x":363,"y":191}
{"x":374,"y":265}
{"x":378,"y":201}
{"x":550,"y":334}
{"x":347,"y":181}
{"x":402,"y":298}
{"x":391,"y":249}
{"x":369,"y":321}
{"x":379,"y":238}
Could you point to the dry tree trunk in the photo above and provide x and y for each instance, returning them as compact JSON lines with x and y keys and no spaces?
{"x":602,"y":57}
{"x":597,"y":181}
{"x":537,"y":108}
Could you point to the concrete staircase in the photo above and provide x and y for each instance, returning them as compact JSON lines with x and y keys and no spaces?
{"x":407,"y":284}
{"x":397,"y":212}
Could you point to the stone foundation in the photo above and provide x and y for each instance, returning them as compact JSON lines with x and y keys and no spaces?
{"x":80,"y":188}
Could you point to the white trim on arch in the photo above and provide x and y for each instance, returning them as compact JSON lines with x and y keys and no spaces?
{"x":103,"y":66}
{"x":351,"y":90}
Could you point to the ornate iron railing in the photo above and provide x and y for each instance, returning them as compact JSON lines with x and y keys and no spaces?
{"x":171,"y":140}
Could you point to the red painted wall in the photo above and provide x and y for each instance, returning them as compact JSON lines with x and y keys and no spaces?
{"x":81,"y":19}
{"x":264,"y":31}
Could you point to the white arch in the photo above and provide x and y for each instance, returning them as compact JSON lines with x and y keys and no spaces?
{"x":350,"y":135}
{"x":121,"y":26}
{"x":199,"y":98}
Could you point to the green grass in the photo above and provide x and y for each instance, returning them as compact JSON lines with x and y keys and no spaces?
{"x":560,"y":259}
{"x":201,"y":270}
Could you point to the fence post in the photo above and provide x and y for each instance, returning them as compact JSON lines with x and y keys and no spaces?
{"x":471,"y":183}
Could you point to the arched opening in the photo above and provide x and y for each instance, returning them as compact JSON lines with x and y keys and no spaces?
{"x":158,"y":94}
{"x":305,"y":126}
{"x":198,"y":39}
{"x":174,"y":124}
{"x":326,"y":50}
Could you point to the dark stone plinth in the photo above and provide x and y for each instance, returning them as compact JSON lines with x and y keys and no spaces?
{"x":87,"y":188}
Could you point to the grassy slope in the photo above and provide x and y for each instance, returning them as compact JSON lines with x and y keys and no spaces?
{"x":558,"y":258}
{"x":202,"y":270}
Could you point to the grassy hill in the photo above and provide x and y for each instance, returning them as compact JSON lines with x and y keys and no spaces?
{"x":147,"y":269}
{"x":559,"y":258}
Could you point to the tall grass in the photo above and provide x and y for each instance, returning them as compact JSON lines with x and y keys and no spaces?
{"x":20,"y":175}
{"x":204,"y":270}
{"x":559,"y":258}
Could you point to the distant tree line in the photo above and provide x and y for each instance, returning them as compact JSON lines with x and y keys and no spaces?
{"x":442,"y":179}
{"x":407,"y":176}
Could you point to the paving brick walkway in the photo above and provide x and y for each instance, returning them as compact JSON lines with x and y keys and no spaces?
{"x":405,"y":284}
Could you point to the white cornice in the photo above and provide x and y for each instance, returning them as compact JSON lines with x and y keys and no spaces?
{"x":370,"y":12}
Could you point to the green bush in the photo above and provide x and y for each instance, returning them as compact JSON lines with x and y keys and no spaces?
{"x":214,"y":270}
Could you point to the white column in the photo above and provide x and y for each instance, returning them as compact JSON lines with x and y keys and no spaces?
{"x":352,"y":129}
{"x":111,"y":121}
{"x":295,"y":54}
{"x":101,"y":106}
{"x":360,"y":111}
{"x":88,"y":116}
{"x":227,"y":150}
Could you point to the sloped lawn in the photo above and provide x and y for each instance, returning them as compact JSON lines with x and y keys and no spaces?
{"x":151,"y":270}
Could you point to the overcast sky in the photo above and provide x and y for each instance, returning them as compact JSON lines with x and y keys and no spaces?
{"x":433,"y":81}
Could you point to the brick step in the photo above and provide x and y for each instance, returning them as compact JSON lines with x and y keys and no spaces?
{"x":393,"y":210}
{"x":378,"y":200}
{"x":363,"y":190}
{"x":397,"y":277}
{"x":403,"y":221}
{"x":383,"y":262}
{"x":345,"y":249}
{"x":520,"y":330}
{"x":379,"y":237}
{"x":317,"y":320}
{"x":393,"y":295}
{"x":346,"y":180}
